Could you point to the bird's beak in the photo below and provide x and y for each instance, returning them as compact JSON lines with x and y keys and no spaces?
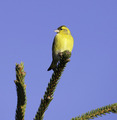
{"x":56,"y":31}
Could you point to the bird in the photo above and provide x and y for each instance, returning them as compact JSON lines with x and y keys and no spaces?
{"x":63,"y":41}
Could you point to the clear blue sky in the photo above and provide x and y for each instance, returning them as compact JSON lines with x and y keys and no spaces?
{"x":90,"y":78}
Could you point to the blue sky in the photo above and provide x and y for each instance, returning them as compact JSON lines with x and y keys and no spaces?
{"x":90,"y":78}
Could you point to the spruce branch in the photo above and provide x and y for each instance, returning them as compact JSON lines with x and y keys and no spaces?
{"x":48,"y":96}
{"x":21,"y":92}
{"x":97,"y":112}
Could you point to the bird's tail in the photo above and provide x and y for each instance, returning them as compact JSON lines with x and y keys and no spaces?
{"x":53,"y":65}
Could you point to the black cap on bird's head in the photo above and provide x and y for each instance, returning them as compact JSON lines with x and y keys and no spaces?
{"x":59,"y":28}
{"x":63,"y":29}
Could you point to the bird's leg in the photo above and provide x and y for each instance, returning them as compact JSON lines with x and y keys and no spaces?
{"x":67,"y":60}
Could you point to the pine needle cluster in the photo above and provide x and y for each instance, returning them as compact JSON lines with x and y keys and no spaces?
{"x":97,"y":112}
{"x":48,"y":96}
{"x":21,"y":92}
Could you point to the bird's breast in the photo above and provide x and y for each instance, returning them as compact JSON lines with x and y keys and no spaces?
{"x":63,"y":42}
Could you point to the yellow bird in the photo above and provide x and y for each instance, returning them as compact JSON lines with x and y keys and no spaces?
{"x":62,"y":41}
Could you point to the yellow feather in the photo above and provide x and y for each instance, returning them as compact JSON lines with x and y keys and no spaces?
{"x":62,"y":42}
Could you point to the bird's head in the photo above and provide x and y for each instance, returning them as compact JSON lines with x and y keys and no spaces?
{"x":63,"y":30}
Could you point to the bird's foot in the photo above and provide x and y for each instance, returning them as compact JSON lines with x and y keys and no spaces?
{"x":67,"y":60}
